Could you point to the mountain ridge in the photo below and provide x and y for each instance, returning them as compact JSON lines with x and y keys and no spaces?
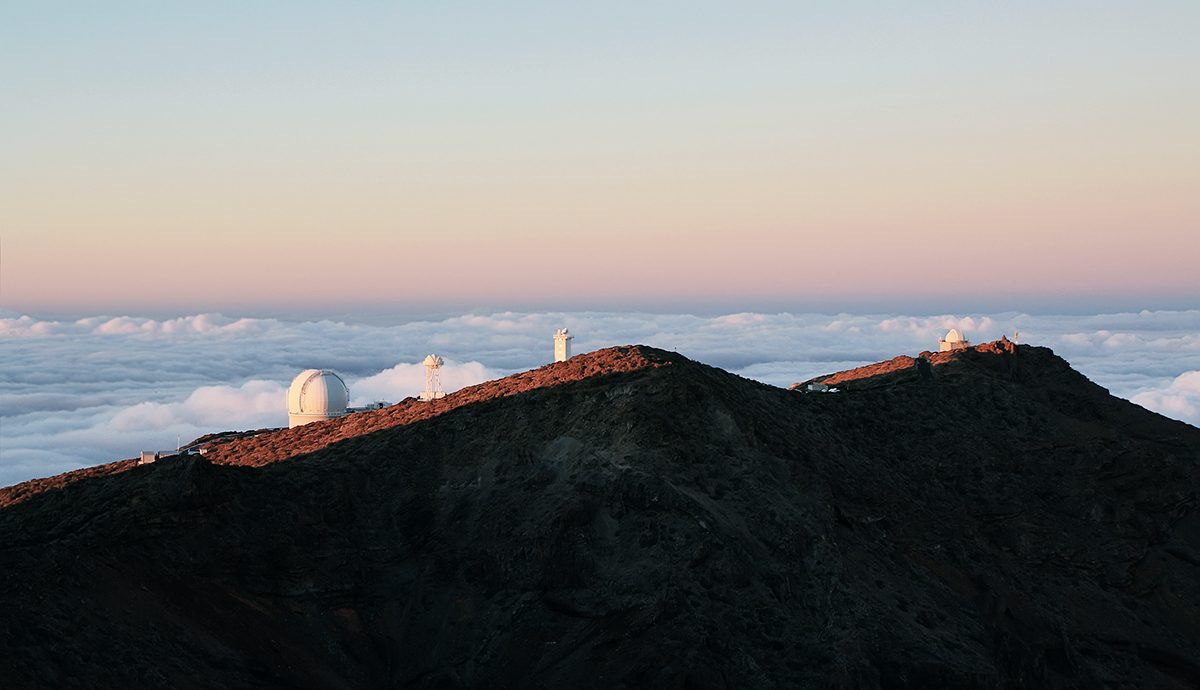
{"x":1002,"y":522}
{"x":229,"y":447}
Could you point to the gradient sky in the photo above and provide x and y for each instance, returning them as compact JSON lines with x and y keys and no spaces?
{"x":279,"y":155}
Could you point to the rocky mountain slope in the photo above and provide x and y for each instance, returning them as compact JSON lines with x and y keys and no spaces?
{"x":630,"y":518}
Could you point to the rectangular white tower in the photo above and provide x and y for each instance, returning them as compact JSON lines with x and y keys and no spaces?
{"x":562,"y":345}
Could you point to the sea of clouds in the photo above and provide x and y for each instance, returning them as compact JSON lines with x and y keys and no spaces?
{"x":79,"y":392}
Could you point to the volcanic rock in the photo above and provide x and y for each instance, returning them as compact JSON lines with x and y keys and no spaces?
{"x":631,"y":518}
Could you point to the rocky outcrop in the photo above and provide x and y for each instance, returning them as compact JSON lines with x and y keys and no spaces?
{"x":630,"y":518}
{"x":893,"y":371}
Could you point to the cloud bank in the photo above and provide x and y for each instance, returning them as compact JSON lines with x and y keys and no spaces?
{"x":76,"y":393}
{"x":1180,"y":399}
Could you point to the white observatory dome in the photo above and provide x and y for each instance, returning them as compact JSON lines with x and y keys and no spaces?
{"x":953,"y":341}
{"x":315,"y":395}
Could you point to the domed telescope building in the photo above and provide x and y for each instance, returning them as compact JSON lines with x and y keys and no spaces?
{"x":316,"y":395}
{"x":953,"y":341}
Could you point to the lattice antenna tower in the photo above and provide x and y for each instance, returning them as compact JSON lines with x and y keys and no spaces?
{"x":433,"y":378}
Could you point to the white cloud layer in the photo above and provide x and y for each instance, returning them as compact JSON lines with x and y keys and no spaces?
{"x":76,"y":393}
{"x":1180,"y":399}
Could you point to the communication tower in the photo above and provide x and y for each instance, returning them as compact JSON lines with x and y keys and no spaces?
{"x":433,"y":378}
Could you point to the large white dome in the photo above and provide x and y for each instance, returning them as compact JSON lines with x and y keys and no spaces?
{"x":316,"y":394}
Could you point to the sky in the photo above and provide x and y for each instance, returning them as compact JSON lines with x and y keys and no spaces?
{"x":274,"y":158}
{"x":79,"y":392}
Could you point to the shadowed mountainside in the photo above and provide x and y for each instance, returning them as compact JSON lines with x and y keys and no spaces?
{"x":631,"y":518}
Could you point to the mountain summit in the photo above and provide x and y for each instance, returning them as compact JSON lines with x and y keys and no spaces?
{"x":981,"y":518}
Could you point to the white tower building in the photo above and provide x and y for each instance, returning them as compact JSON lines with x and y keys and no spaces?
{"x":433,"y":378}
{"x":316,"y":395}
{"x":562,"y":345}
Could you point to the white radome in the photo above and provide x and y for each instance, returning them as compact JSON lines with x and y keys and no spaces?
{"x":316,"y":395}
{"x":954,"y":336}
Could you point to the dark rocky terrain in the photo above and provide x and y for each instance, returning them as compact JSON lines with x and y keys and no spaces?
{"x":986,"y":518}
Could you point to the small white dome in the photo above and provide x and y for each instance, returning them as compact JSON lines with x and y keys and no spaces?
{"x":954,"y":336}
{"x":433,"y":361}
{"x":318,"y":392}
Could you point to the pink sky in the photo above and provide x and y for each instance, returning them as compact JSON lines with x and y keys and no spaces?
{"x":249,"y":158}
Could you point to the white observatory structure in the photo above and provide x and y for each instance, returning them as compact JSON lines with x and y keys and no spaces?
{"x":953,"y":341}
{"x":562,"y":345}
{"x":316,"y":395}
{"x":433,"y":378}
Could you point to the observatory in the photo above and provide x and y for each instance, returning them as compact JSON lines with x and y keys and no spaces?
{"x":562,"y":345}
{"x":433,"y":378}
{"x":953,"y":341}
{"x":316,"y":395}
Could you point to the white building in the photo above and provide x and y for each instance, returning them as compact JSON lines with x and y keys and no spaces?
{"x":953,"y":341}
{"x":316,"y":395}
{"x":562,"y":345}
